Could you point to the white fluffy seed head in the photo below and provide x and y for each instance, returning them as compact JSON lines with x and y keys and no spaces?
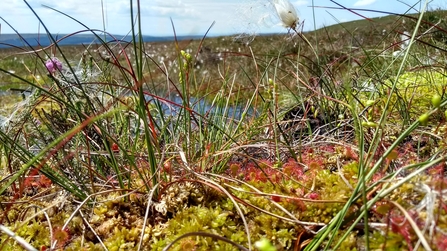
{"x":286,"y":13}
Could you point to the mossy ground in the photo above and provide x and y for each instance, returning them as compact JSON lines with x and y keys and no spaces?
{"x":311,"y":191}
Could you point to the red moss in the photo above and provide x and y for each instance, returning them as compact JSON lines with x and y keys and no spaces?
{"x":441,"y":242}
{"x":234,"y":168}
{"x":167,"y":166}
{"x":293,"y":169}
{"x":188,"y":244}
{"x":349,"y":154}
{"x":35,"y":181}
{"x":316,"y":156}
{"x":298,"y":203}
{"x":314,"y":165}
{"x":392,"y":155}
{"x":400,"y":225}
{"x":62,"y":236}
{"x":44,"y":181}
{"x":265,"y":164}
{"x":437,"y":171}
{"x":377,"y":176}
{"x":313,"y":196}
{"x":115,"y":147}
{"x":276,"y":198}
{"x":261,"y":172}
{"x":381,"y":208}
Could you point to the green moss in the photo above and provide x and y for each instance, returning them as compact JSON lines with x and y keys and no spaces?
{"x":331,"y":186}
{"x":348,"y":244}
{"x":415,"y":91}
{"x":221,"y":221}
{"x":122,"y":239}
{"x":8,"y":104}
{"x":35,"y":233}
{"x":411,"y":98}
{"x":387,"y":242}
{"x":79,"y":244}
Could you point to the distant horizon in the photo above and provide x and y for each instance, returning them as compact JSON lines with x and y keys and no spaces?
{"x":11,"y":40}
{"x":190,"y":17}
{"x":146,"y":35}
{"x":34,"y":39}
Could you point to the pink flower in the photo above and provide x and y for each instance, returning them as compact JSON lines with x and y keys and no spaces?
{"x":53,"y":64}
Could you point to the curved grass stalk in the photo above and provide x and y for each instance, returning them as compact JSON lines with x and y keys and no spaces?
{"x":22,"y":242}
{"x":137,"y":86}
{"x":382,"y":194}
{"x":46,"y":153}
{"x":146,"y":215}
{"x":228,"y":194}
{"x":93,"y":231}
{"x":415,"y":227}
{"x":258,"y":192}
{"x":364,"y":177}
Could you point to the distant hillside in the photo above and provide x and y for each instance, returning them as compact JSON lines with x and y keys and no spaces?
{"x":367,"y":32}
{"x":14,"y":40}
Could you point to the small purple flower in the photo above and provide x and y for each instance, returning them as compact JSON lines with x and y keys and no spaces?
{"x":53,"y":64}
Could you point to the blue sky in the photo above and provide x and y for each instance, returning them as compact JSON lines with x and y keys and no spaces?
{"x":190,"y":17}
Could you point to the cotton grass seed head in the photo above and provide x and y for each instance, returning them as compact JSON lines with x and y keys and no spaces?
{"x":286,"y":12}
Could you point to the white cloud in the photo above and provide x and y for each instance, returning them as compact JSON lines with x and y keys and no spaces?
{"x":13,"y":8}
{"x":170,"y":9}
{"x":300,"y":3}
{"x":364,"y":2}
